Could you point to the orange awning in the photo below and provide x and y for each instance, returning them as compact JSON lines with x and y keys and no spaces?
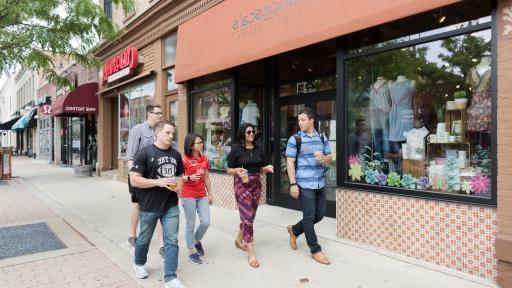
{"x":236,"y":32}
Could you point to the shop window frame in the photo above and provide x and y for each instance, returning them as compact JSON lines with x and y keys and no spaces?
{"x":342,"y":93}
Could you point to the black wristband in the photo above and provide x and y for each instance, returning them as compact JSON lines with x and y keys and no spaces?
{"x":188,"y":177}
{"x":293,"y":184}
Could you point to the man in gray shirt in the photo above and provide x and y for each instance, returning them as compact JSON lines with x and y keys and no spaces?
{"x":141,"y":135}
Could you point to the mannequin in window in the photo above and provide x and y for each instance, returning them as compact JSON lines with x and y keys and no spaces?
{"x":213,"y":115}
{"x":251,"y":113}
{"x":401,"y":114}
{"x":380,"y":105}
{"x":479,"y":113}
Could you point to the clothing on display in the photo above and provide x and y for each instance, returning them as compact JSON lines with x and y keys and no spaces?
{"x":251,"y":113}
{"x":380,"y":105}
{"x":479,"y":113}
{"x":400,"y":115}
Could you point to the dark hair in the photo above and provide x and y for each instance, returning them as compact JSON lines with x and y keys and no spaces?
{"x":240,"y":135}
{"x":308,"y":111}
{"x":358,"y":121}
{"x":190,"y":140}
{"x":150,"y":107}
{"x":160,"y":125}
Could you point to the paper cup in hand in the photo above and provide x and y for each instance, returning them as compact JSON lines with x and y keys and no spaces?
{"x":318,"y":156}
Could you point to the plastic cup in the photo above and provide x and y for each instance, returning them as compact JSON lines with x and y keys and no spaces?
{"x":244,"y":176}
{"x":174,"y":185}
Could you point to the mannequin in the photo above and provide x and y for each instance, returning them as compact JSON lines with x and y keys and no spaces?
{"x":380,"y":105}
{"x":251,"y":113}
{"x":401,"y":114}
{"x":479,"y":113}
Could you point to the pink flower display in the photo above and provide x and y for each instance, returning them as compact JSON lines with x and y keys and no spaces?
{"x":354,"y":160}
{"x":480,"y":184}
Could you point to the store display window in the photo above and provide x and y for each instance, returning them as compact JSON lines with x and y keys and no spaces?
{"x":419,"y":116}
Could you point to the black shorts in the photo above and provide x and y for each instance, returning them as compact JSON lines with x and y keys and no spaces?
{"x":133,"y":191}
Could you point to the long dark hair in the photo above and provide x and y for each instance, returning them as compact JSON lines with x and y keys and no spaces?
{"x":190,"y":140}
{"x":240,"y":136}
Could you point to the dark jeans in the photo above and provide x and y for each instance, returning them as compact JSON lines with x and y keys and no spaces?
{"x":313,"y":210}
{"x":170,"y":220}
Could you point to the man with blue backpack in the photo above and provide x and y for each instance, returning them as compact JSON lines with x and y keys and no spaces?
{"x":306,"y":154}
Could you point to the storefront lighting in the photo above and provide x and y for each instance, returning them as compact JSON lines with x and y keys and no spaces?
{"x":458,"y":86}
{"x":310,"y":70}
{"x":474,"y":60}
{"x":441,"y":19}
{"x":446,"y":95}
{"x":419,"y":68}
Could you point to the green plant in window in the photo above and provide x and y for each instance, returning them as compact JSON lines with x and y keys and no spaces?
{"x":371,"y":160}
{"x":394,"y":179}
{"x":408,"y":181}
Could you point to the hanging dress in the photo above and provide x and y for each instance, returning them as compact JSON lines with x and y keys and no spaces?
{"x":479,"y":112}
{"x":400,"y":115}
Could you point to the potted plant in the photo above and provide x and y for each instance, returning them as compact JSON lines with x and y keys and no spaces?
{"x":461,"y":99}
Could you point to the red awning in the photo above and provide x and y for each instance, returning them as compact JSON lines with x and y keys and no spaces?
{"x":83,"y":100}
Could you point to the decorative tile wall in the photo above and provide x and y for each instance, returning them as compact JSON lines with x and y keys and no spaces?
{"x":224,"y":195}
{"x":457,"y":236}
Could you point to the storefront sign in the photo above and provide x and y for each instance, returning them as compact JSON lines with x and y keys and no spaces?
{"x":79,"y":109}
{"x":46,"y":109}
{"x":120,"y":66}
{"x":250,"y":30}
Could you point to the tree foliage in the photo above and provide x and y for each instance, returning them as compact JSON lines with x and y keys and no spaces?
{"x":33,"y":32}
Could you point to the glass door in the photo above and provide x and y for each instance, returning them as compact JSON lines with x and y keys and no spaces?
{"x":323,"y":104}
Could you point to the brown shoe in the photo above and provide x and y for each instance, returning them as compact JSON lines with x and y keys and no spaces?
{"x":321,"y":258}
{"x":293,"y":238}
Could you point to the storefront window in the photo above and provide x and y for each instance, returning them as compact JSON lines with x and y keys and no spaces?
{"x":419,"y":117}
{"x":170,"y":50}
{"x":173,"y":118}
{"x":132,"y":110}
{"x":212,"y":120}
{"x":171,"y":85}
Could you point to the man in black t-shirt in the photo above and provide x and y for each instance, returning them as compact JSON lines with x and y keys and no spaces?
{"x":158,"y":171}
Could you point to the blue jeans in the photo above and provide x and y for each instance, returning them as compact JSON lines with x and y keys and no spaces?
{"x":313,"y":210}
{"x":190,"y":207}
{"x":170,"y":222}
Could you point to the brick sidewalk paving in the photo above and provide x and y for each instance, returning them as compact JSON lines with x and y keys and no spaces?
{"x":86,"y":269}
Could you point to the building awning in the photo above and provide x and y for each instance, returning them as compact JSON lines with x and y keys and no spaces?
{"x":8,"y":125}
{"x":22,"y":123}
{"x":82,"y":100}
{"x":235,"y":32}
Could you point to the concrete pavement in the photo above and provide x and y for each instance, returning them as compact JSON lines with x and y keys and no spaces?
{"x":98,"y":209}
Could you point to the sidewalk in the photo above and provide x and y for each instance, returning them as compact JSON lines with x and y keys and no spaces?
{"x":99,"y":209}
{"x":78,"y":264}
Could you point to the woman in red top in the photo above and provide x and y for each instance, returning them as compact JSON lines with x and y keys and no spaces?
{"x":196,"y":195}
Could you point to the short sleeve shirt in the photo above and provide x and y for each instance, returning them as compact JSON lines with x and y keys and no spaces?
{"x":155,"y":163}
{"x":195,"y":189}
{"x":309,"y":173}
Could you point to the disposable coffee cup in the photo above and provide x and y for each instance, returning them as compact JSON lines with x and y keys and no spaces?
{"x":318,"y":154}
{"x":244,"y":176}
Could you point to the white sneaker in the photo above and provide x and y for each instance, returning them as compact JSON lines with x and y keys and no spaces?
{"x":174,"y":283}
{"x":140,"y":271}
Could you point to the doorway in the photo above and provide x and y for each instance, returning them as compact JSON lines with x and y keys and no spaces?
{"x":323,"y":105}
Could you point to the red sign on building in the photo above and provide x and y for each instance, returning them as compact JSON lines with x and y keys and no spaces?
{"x":120,"y":65}
{"x":46,"y":109}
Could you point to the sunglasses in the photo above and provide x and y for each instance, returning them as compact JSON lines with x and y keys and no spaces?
{"x":250,"y":132}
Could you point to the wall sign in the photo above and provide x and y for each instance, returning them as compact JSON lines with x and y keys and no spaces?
{"x":46,"y":109}
{"x":120,"y":66}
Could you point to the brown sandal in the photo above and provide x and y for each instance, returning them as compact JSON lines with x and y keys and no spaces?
{"x":240,"y":246}
{"x":254,"y":263}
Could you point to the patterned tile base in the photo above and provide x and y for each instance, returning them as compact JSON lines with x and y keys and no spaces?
{"x":457,"y":236}
{"x":223,"y":193}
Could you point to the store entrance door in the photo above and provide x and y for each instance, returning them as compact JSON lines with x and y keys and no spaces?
{"x":323,"y":105}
